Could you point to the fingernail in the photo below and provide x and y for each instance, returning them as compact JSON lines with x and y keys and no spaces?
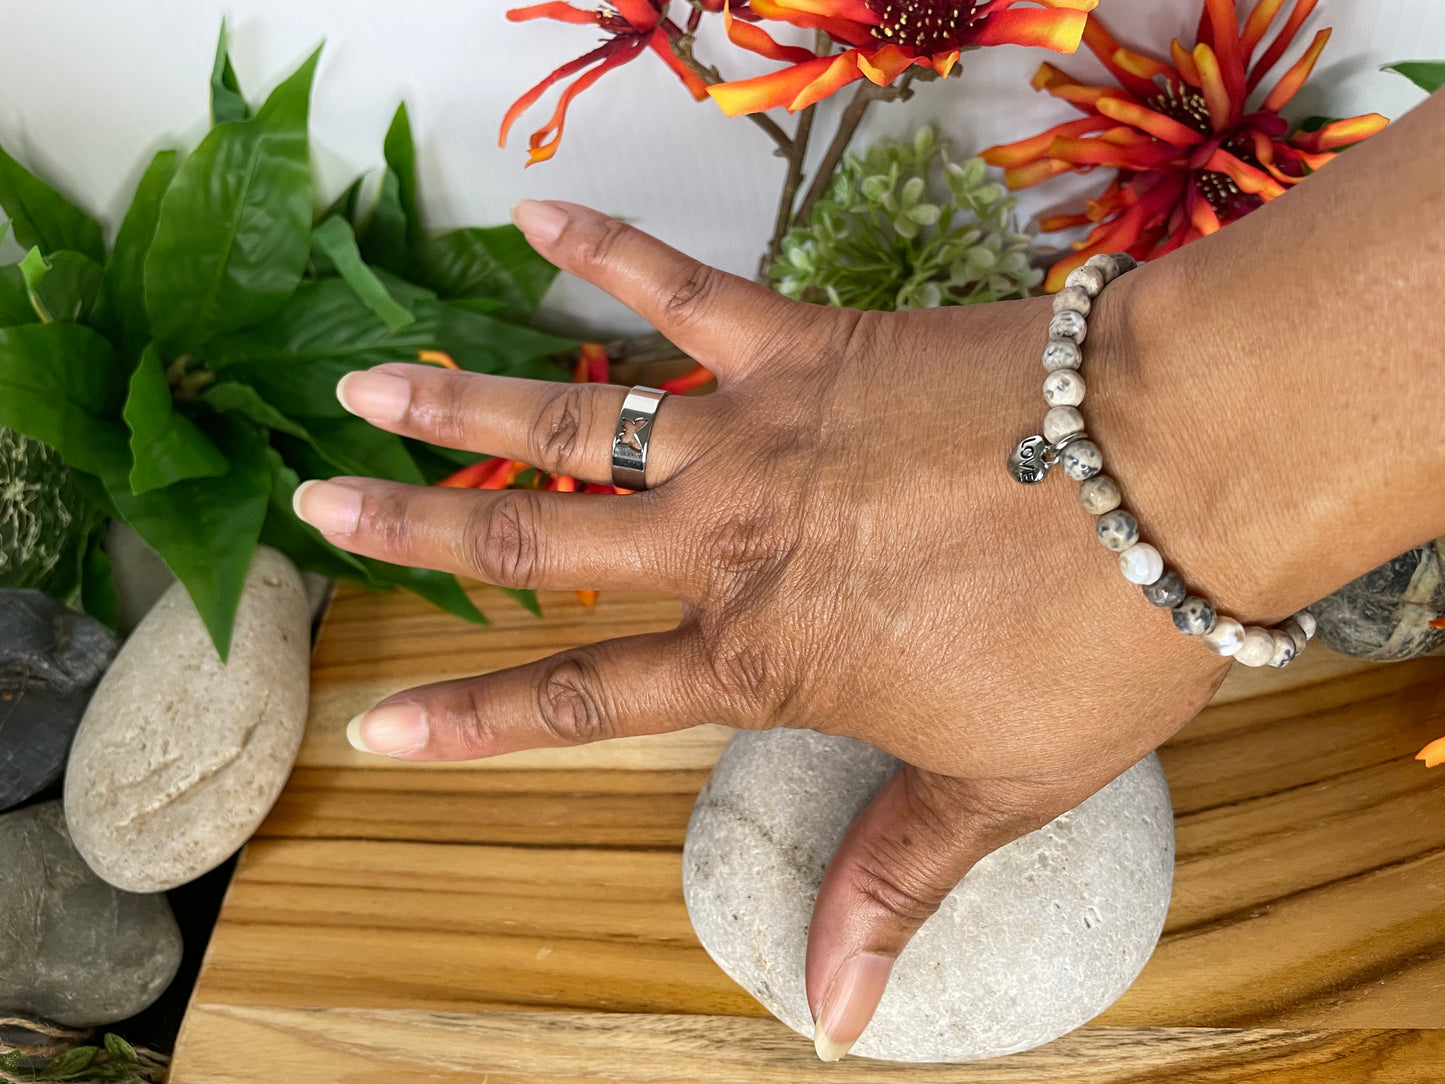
{"x":539,"y":221}
{"x":376,"y":397}
{"x":849,"y":1004}
{"x":392,"y":730}
{"x":327,"y":506}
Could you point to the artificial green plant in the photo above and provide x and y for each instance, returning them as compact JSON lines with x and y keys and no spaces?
{"x":187,"y":373}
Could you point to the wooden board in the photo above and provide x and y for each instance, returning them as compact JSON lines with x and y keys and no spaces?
{"x":521,"y":919}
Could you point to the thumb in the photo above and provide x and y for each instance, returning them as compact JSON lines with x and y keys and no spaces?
{"x":900,"y":859}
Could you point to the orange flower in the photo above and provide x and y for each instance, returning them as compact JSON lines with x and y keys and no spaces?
{"x":883,"y":38}
{"x":634,"y":25}
{"x":1189,"y":157}
{"x":1433,"y":754}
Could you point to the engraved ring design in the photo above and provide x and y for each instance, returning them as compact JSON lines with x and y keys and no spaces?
{"x":630,"y":438}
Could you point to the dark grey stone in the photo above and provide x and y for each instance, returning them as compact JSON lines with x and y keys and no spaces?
{"x":1167,"y":591}
{"x":1385,"y":615}
{"x":50,"y":661}
{"x":1194,"y":616}
{"x":73,"y":949}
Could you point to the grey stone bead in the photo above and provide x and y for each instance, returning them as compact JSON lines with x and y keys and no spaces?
{"x":1089,"y":279}
{"x":1039,"y":937}
{"x":1117,"y":530}
{"x":1284,"y":650}
{"x":1100,"y":494}
{"x":1308,"y":623}
{"x":1081,"y":460}
{"x":1062,"y":354}
{"x":72,"y":948}
{"x":1167,"y":591}
{"x":1194,"y":616}
{"x":1295,"y":631}
{"x":1069,"y":326}
{"x":1064,"y":387}
{"x":1385,"y":615}
{"x":50,"y":661}
{"x":1060,"y":422}
{"x":1105,"y":264}
{"x":1124,"y":262}
{"x":1073,"y":299}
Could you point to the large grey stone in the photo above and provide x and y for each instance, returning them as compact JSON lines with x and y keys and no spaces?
{"x":1041,"y":935}
{"x":180,"y":756}
{"x":1385,"y":615}
{"x":72,"y":948}
{"x":50,"y":661}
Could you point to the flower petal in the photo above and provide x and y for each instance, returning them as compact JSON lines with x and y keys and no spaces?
{"x":1225,"y":22}
{"x":1433,"y":754}
{"x":1035,"y":147}
{"x":1341,"y":133}
{"x":1301,"y":12}
{"x":1289,"y":85}
{"x":842,"y":70}
{"x":1147,"y":120}
{"x":757,"y":40}
{"x":1256,"y":25}
{"x":642,"y":14}
{"x":1211,"y":85}
{"x":545,"y":140}
{"x":857,"y":33}
{"x":885,"y":64}
{"x":943,"y":62}
{"x":1103,"y":46}
{"x":1059,"y":29}
{"x":695,"y":378}
{"x":1062,"y":86}
{"x":1249,"y":178}
{"x":1026,"y":176}
{"x":779,"y":88}
{"x":527,"y":100}
{"x":661,"y":44}
{"x":564,"y":13}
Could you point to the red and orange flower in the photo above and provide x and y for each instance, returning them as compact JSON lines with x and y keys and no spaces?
{"x":633,"y":26}
{"x":882,"y":39}
{"x":1190,"y":158}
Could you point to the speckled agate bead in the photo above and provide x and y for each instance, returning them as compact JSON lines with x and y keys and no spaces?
{"x":1081,"y":460}
{"x":1089,"y":279}
{"x":1141,"y":564}
{"x":1106,"y":265}
{"x":1258,"y":647}
{"x":1100,"y":494}
{"x":1064,"y":388}
{"x":1073,"y":299}
{"x":1291,"y":627}
{"x":1194,"y":616}
{"x":1062,"y":354}
{"x":1167,"y":591}
{"x":1226,"y":638}
{"x":1060,"y":422}
{"x":1284,"y":649}
{"x":1068,"y":327}
{"x":1117,"y":530}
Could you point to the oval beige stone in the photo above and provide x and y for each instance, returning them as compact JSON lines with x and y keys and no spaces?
{"x":180,"y":756}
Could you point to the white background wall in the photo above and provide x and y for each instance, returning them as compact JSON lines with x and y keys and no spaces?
{"x":90,"y":88}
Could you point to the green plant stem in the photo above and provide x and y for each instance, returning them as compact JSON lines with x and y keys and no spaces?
{"x":866,"y":94}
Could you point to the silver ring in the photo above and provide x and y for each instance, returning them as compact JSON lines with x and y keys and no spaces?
{"x":631,"y":437}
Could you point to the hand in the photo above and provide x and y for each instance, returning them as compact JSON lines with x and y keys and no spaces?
{"x":852,"y":556}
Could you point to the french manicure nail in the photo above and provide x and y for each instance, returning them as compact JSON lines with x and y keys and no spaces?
{"x":849,"y":1003}
{"x":392,"y":730}
{"x":539,"y":221}
{"x":327,"y":506}
{"x":377,"y":397}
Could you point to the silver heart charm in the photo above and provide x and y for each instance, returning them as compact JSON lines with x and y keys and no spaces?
{"x":1027,"y":464}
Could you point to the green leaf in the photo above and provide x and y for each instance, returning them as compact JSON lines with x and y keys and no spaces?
{"x":166,"y":445}
{"x":399,"y":150}
{"x":346,"y":204}
{"x":120,"y":312}
{"x":43,"y":218}
{"x":98,"y":597}
{"x":206,"y":528}
{"x":439,"y":588}
{"x":62,"y":384}
{"x":235,"y":227}
{"x":72,"y":1063}
{"x":356,"y":447}
{"x":300,"y":541}
{"x":119,"y":1050}
{"x":15,"y":307}
{"x":334,"y":239}
{"x":493,"y":263}
{"x":63,"y":288}
{"x":227,"y":102}
{"x":236,"y":398}
{"x":1428,"y":75}
{"x":324,"y":332}
{"x":481,"y":343}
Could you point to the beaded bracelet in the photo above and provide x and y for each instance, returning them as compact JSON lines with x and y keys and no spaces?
{"x":1064,"y":442}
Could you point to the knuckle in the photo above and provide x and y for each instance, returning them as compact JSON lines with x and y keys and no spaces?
{"x":689,"y":298}
{"x":747,"y":544}
{"x":562,"y":428}
{"x":750,"y":672}
{"x":896,"y":890}
{"x":570,"y":703}
{"x":507,"y":539}
{"x":388,"y":518}
{"x":598,"y":246}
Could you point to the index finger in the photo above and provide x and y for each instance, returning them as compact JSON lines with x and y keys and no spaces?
{"x":717,"y":318}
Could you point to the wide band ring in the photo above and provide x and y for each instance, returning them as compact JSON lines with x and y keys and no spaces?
{"x":630,"y":438}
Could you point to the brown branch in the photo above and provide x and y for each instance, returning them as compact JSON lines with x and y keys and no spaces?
{"x":866,"y":94}
{"x":791,"y":183}
{"x":682,"y":47}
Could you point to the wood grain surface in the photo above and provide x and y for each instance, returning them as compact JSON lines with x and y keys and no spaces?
{"x":521,"y":919}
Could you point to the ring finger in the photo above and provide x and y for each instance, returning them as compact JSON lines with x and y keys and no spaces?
{"x":559,"y":428}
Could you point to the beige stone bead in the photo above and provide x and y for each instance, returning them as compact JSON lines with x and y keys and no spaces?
{"x":1106,"y":265}
{"x":1089,"y":279}
{"x":1307,"y":622}
{"x":1073,"y":299}
{"x":1062,"y":354}
{"x":1141,"y":564}
{"x":1100,"y":494}
{"x":1060,"y":422}
{"x":1226,"y":638}
{"x":1258,"y":647}
{"x":1069,"y":326}
{"x":1064,"y":387}
{"x":1284,"y":649}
